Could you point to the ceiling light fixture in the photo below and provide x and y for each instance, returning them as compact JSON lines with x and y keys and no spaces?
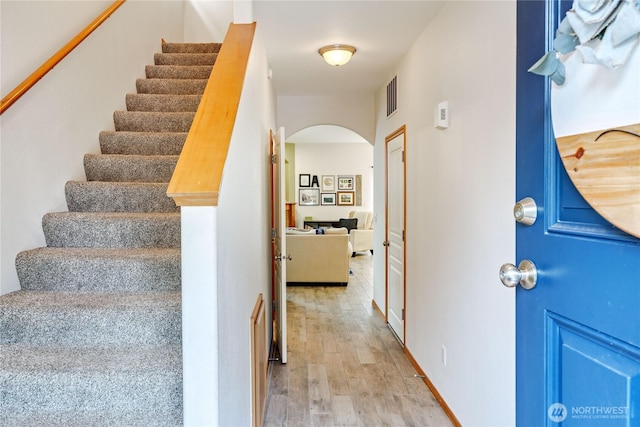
{"x":337,"y":54}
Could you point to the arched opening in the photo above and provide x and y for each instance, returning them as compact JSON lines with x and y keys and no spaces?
{"x":329,"y":172}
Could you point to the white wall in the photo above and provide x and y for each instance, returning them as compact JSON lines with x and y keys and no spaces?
{"x":207,"y":21}
{"x":460,"y":194}
{"x":244,"y":230}
{"x":299,"y":112}
{"x":47,"y":132}
{"x":334,"y":159}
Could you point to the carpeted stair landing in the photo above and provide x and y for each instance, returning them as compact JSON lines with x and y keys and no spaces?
{"x":93,"y":338}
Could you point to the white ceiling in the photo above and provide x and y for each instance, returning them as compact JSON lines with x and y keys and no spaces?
{"x":382,"y":31}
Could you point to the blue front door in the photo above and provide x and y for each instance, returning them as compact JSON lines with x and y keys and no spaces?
{"x":578,"y":329}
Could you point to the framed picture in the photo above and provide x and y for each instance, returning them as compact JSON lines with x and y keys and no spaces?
{"x":328,"y":183}
{"x":345,"y":198}
{"x":328,"y":199}
{"x":309,"y":197}
{"x":305,"y":180}
{"x":345,"y":183}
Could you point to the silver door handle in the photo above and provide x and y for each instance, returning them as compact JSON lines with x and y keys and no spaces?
{"x":386,"y":243}
{"x":278,"y":257}
{"x":525,"y":211}
{"x":524,"y":274}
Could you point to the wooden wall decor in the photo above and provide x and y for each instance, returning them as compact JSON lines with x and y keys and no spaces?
{"x":604,"y":166}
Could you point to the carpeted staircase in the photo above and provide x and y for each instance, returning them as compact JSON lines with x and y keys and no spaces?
{"x":93,"y":338}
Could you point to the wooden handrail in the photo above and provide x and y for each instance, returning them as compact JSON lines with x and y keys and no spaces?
{"x":28,"y":83}
{"x":198,"y":174}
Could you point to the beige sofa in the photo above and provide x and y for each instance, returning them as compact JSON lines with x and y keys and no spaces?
{"x":362,"y":238}
{"x":318,"y":258}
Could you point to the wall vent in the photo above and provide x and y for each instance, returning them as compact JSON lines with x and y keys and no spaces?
{"x":392,"y":96}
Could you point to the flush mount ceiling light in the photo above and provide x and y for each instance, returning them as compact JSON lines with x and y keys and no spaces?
{"x":337,"y":54}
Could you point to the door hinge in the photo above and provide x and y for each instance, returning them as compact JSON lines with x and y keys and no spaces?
{"x":273,"y":233}
{"x":274,"y":159}
{"x":403,"y":235}
{"x":402,"y":156}
{"x":403,"y":314}
{"x":273,"y":305}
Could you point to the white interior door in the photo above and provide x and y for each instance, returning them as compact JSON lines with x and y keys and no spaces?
{"x":395,"y":254}
{"x":280,"y":242}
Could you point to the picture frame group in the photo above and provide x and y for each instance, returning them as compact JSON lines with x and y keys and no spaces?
{"x":330,"y":190}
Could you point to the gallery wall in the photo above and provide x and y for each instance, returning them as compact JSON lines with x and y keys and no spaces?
{"x":334,"y":160}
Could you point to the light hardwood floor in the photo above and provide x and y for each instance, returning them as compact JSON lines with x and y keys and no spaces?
{"x":345,"y":367}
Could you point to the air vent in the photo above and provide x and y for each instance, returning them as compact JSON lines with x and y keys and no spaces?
{"x":392,"y":96}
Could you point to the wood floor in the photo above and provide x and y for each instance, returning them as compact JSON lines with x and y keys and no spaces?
{"x":345,"y":367}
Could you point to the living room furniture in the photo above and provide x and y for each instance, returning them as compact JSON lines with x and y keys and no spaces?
{"x":319,"y":223}
{"x":318,"y":258}
{"x":361,"y":238}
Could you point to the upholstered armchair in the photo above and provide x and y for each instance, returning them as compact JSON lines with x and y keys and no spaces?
{"x":361,"y":238}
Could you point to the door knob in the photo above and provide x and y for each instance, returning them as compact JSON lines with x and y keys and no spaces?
{"x":386,"y":243}
{"x":278,"y":257}
{"x":525,"y":274}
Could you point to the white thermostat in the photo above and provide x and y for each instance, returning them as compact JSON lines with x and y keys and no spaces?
{"x":441,"y":115}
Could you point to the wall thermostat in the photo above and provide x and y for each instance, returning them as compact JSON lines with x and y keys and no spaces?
{"x":441,"y":115}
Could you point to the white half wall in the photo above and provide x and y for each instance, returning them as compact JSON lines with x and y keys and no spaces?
{"x":200,"y":315}
{"x":333,"y":159}
{"x":460,"y":195}
{"x":244,"y":238}
{"x":46,"y":133}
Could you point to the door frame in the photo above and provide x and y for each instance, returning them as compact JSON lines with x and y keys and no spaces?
{"x":278,"y":225}
{"x":402,"y":130}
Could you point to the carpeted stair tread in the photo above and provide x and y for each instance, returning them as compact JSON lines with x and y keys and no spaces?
{"x":142,"y":143}
{"x":191,"y":47}
{"x":58,"y":385}
{"x":171,"y":86}
{"x":129,"y":168}
{"x":99,"y":269}
{"x":109,"y":417}
{"x":178,"y":71}
{"x":99,"y":196}
{"x":142,"y":121}
{"x":90,"y":318}
{"x":58,"y":358}
{"x":162,"y":103}
{"x":115,"y":230}
{"x":185,"y":58}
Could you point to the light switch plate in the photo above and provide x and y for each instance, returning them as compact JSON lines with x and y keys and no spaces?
{"x":441,"y":115}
